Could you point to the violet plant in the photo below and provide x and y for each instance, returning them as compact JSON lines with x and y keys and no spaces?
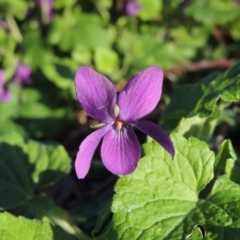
{"x":182,"y":185}
{"x":22,"y":74}
{"x":119,"y":113}
{"x":133,"y":7}
{"x":46,"y":8}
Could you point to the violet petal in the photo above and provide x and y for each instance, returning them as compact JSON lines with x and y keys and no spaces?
{"x":23,"y":71}
{"x":120,"y":151}
{"x":141,"y":95}
{"x":157,"y":133}
{"x":86,"y":151}
{"x":96,"y":94}
{"x":22,"y":75}
{"x":133,"y":7}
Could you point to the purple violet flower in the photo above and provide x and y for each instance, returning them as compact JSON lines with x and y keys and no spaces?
{"x":5,"y":94}
{"x":119,"y":113}
{"x":22,"y":75}
{"x":133,"y":7}
{"x":47,"y":7}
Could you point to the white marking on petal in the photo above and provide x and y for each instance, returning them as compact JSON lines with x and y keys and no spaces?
{"x":103,"y":106}
{"x":116,"y":111}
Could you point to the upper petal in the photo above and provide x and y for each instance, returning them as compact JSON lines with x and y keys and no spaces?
{"x":141,"y":94}
{"x":86,"y":151}
{"x":157,"y":133}
{"x":96,"y":94}
{"x":120,"y":151}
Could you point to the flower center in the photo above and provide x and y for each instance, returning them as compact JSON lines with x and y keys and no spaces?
{"x":119,"y":123}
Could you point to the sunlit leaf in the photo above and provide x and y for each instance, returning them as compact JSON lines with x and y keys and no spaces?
{"x":202,"y":98}
{"x":161,"y":198}
{"x":20,"y":228}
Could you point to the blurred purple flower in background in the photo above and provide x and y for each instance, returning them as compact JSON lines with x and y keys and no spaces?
{"x":133,"y":7}
{"x":47,"y":7}
{"x":3,"y":24}
{"x":5,"y":94}
{"x":22,"y":75}
{"x":119,"y":113}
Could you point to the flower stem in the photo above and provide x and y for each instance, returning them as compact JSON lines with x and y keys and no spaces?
{"x":14,"y":28}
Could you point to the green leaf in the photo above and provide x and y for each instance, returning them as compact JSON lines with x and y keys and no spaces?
{"x":160,"y":200}
{"x":66,"y":30}
{"x":107,"y":234}
{"x":10,"y":109}
{"x":34,"y":45}
{"x":225,"y":152}
{"x":201,"y":128}
{"x":106,"y":61}
{"x":228,"y":161}
{"x":233,"y":169}
{"x":81,"y":55}
{"x":26,"y":165}
{"x":102,"y":217}
{"x":19,"y":8}
{"x":60,"y":73}
{"x":104,"y":3}
{"x":139,"y":54}
{"x":31,"y":107}
{"x":20,"y":228}
{"x":7,"y":125}
{"x":14,"y":185}
{"x":157,"y":197}
{"x":150,"y":9}
{"x":202,"y":98}
{"x":7,"y":42}
{"x":58,"y":4}
{"x":104,"y":225}
{"x":187,"y":97}
{"x":208,"y":12}
{"x":45,"y":208}
{"x":226,"y":196}
{"x":30,"y":112}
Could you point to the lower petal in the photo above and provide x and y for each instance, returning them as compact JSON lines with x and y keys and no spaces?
{"x":86,"y":151}
{"x":120,"y":151}
{"x":157,"y":133}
